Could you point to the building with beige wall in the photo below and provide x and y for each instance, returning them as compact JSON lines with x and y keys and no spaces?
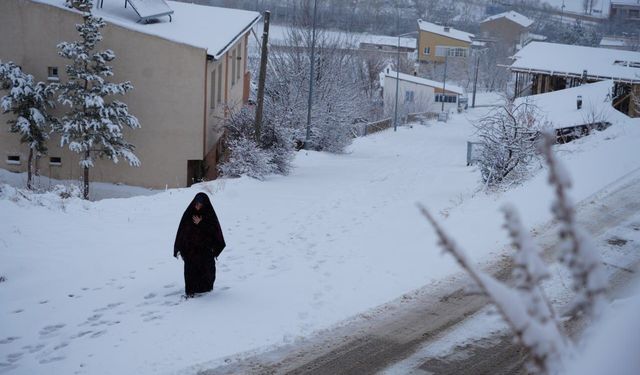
{"x":436,"y":41}
{"x":188,"y":75}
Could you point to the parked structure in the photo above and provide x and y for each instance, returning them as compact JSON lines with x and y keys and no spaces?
{"x":188,"y":74}
{"x":628,"y":10}
{"x":545,"y":67}
{"x":419,"y":95}
{"x":383,"y":43}
{"x":436,"y":41}
{"x":510,"y":29}
{"x":621,"y":43}
{"x":577,"y":111}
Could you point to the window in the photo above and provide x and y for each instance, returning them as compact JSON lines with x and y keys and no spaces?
{"x":427,"y":50}
{"x":55,"y":160}
{"x":52,"y":73}
{"x":408,"y":96}
{"x":219,"y":93}
{"x":213,"y":89}
{"x":13,"y":159}
{"x":233,"y":67}
{"x":451,"y":51}
{"x":446,"y":98}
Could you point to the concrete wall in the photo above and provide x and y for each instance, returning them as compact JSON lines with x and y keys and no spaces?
{"x":431,"y":40}
{"x":170,"y":96}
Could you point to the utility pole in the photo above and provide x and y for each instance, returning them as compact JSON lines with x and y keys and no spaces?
{"x":263,"y":75}
{"x":475,"y":81}
{"x":395,"y":116}
{"x":444,"y":81}
{"x":312,"y":64}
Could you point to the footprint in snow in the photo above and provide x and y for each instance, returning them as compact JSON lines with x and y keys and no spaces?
{"x":98,"y":334}
{"x":33,"y":349}
{"x":174,"y":293}
{"x":81,"y":334}
{"x":149,"y":296}
{"x":9,"y":340}
{"x":169,"y":286}
{"x":51,"y":359}
{"x":48,"y":330}
{"x":14,"y":357}
{"x":18,"y":311}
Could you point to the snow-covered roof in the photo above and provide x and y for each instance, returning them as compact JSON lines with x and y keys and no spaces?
{"x":423,"y":81}
{"x":511,"y":16}
{"x":560,"y":109}
{"x":385,"y":40}
{"x":612,"y":42}
{"x":569,"y":60}
{"x":625,"y":2}
{"x":211,"y":28}
{"x":442,"y":30}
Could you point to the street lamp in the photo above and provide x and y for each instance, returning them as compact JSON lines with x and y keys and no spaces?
{"x":395,"y":116}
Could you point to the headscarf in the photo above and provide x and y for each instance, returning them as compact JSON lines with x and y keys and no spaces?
{"x":205,"y":236}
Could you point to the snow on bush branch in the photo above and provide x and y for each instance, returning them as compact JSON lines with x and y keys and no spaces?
{"x":525,"y":307}
{"x":94,"y":124}
{"x":508,"y":136}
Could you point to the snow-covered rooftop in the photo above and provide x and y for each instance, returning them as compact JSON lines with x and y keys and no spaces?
{"x":211,"y":28}
{"x":511,"y":16}
{"x":442,"y":30}
{"x":560,"y":109}
{"x":625,"y":2}
{"x":385,"y":40}
{"x":612,"y":42}
{"x":569,"y":60}
{"x":423,"y":81}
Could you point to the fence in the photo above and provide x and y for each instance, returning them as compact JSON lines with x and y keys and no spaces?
{"x":362,"y":130}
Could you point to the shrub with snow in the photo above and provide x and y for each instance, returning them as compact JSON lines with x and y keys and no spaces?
{"x":508,"y":142}
{"x":272,"y":154}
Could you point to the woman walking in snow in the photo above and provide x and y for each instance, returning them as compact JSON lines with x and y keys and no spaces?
{"x":199,"y":241}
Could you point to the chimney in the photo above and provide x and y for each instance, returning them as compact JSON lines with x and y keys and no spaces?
{"x":579,"y":102}
{"x":447,"y":29}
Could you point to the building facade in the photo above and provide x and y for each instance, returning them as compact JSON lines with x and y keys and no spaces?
{"x":510,"y":29}
{"x":183,"y":87}
{"x":435,"y":42}
{"x":419,"y":95}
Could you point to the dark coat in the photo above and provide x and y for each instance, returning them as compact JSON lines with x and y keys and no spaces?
{"x":199,"y":244}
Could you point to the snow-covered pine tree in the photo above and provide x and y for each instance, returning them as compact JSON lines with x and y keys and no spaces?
{"x":30,"y":102}
{"x":93,"y":126}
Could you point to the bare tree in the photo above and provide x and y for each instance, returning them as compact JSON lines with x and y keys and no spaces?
{"x":508,"y":137}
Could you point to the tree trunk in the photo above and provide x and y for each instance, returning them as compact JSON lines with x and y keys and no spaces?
{"x":29,"y":169}
{"x":85,"y":190}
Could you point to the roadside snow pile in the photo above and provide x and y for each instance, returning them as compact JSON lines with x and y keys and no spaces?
{"x":57,"y":198}
{"x":88,"y":288}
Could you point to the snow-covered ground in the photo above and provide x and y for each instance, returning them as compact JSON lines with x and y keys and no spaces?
{"x":91,"y":287}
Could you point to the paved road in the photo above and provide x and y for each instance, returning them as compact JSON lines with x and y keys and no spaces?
{"x":390,"y":333}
